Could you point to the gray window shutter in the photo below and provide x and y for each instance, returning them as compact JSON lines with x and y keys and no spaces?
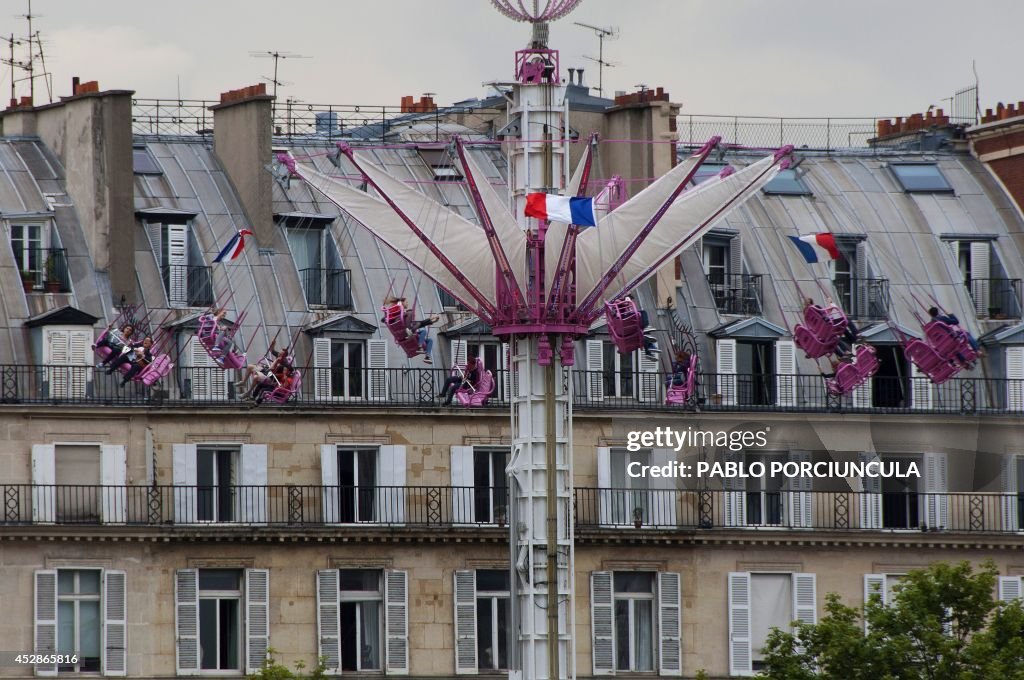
{"x":377,"y":363}
{"x":669,"y":647}
{"x":463,"y":507}
{"x":465,"y":622}
{"x":154,"y":230}
{"x":328,"y":619}
{"x":252,"y":497}
{"x":936,"y":490}
{"x":1008,"y":485}
{"x":391,"y":491}
{"x":602,"y":622}
{"x":44,"y":476}
{"x":186,"y":619}
{"x":874,"y":584}
{"x":329,"y":480}
{"x":46,"y":618}
{"x":1015,"y":378}
{"x":257,"y":618}
{"x":321,"y":369}
{"x":981,"y":255}
{"x":113,"y":471}
{"x":785,"y":372}
{"x":740,"y":656}
{"x":396,"y":621}
{"x":725,"y":354}
{"x":595,"y":370}
{"x":801,"y":500}
{"x":870,"y":497}
{"x":605,"y":495}
{"x":664,"y":496}
{"x":1010,"y":588}
{"x":736,"y":255}
{"x":184,"y":480}
{"x":115,"y":613}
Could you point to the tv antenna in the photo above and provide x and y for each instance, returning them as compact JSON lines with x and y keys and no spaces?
{"x":28,"y":64}
{"x":612,"y":33}
{"x":277,"y":56}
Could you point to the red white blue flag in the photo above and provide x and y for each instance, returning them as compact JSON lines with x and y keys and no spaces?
{"x":571,"y":210}
{"x":234,"y":247}
{"x":816,"y":247}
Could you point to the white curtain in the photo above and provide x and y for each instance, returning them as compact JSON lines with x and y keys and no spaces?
{"x":771,"y":605}
{"x":644,"y":652}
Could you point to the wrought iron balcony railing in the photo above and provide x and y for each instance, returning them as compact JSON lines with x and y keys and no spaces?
{"x":187,"y":286}
{"x":863,"y":298}
{"x":312,"y":507}
{"x":44,"y":269}
{"x":331,"y":288}
{"x":419,"y":388}
{"x":736,"y":293}
{"x":996,"y":298}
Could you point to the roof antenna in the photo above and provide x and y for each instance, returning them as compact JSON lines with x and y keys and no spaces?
{"x":612,"y":33}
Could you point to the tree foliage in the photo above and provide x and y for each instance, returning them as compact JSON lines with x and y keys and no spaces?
{"x":942,"y":624}
{"x":272,"y":670}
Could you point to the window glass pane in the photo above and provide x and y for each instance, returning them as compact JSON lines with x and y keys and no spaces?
{"x":143,"y":162}
{"x":349,"y":629}
{"x":503,"y":632}
{"x":634,"y":582}
{"x":920,"y":177}
{"x":370,"y":634}
{"x":622,"y":635}
{"x":208,"y":633}
{"x":643,"y":651}
{"x":89,"y":628}
{"x":364,"y":580}
{"x":65,"y":582}
{"x":484,"y":634}
{"x":788,"y":183}
{"x":66,"y":627}
{"x":492,"y":580}
{"x":229,"y":634}
{"x":706,"y":171}
{"x":89,"y":582}
{"x":219,"y":579}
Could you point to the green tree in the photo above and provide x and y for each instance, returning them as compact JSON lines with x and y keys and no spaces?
{"x":272,"y":670}
{"x":942,"y":624}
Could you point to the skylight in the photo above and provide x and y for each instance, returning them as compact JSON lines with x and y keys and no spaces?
{"x":707,"y":171}
{"x":144,"y":163}
{"x":787,"y":183}
{"x":920,"y":177}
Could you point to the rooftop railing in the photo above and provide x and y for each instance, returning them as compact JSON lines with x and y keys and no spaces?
{"x":996,"y":298}
{"x":331,"y":288}
{"x":212,"y":507}
{"x":736,"y":293}
{"x":418,"y":388}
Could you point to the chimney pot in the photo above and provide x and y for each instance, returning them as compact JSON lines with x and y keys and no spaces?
{"x":579,"y":72}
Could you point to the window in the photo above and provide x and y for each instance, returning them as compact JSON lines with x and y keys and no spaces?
{"x":787,"y":183}
{"x":143,"y":161}
{"x":764,"y":495}
{"x":920,"y":178}
{"x":29,"y":247}
{"x":706,"y":171}
{"x":78,"y":618}
{"x":613,"y":375}
{"x":220,"y":619}
{"x":492,"y":602}
{"x":68,"y":359}
{"x":170,"y":244}
{"x":323,"y":280}
{"x":216,"y":472}
{"x":1018,"y":468}
{"x":361,"y":618}
{"x":363,"y":484}
{"x":629,"y":495}
{"x":911,"y":503}
{"x":716,"y":267}
{"x":78,"y":470}
{"x":348,"y":357}
{"x":494,"y":358}
{"x":619,"y":371}
{"x":490,"y":485}
{"x":759,"y":602}
{"x":627,"y":636}
{"x":350,"y":369}
{"x":357,"y":481}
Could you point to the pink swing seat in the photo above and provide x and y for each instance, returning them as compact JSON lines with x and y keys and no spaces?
{"x":852,"y":375}
{"x":478,"y":394}
{"x":825,"y":322}
{"x":624,"y":325}
{"x":207,"y":337}
{"x":396,"y":321}
{"x":813,"y":346}
{"x":280,"y":395}
{"x":937,"y":367}
{"x":950,"y":342}
{"x":682,"y":394}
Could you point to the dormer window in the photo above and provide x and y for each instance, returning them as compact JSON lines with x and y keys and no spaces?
{"x":920,"y":178}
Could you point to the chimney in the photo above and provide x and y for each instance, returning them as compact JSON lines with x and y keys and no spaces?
{"x":572,"y":74}
{"x":74,"y":85}
{"x":579,"y":72}
{"x":242,"y":142}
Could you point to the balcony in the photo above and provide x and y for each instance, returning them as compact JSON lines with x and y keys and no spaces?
{"x":1000,"y":298}
{"x":342,"y":508}
{"x":736,"y":293}
{"x":330,"y":288}
{"x":47,"y":271}
{"x":187,"y":286}
{"x":595,"y":391}
{"x":863,"y":298}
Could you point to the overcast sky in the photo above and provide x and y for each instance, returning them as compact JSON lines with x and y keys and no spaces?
{"x":737,"y":57}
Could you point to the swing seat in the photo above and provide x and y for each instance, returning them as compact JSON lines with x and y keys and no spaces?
{"x":103,"y":352}
{"x":281,"y":395}
{"x":852,"y":375}
{"x":813,"y":346}
{"x":207,"y":336}
{"x":825,"y":322}
{"x":928,"y":361}
{"x":479,"y":393}
{"x":157,"y":370}
{"x":950,"y":342}
{"x":684,"y":393}
{"x":624,"y":325}
{"x":396,"y":322}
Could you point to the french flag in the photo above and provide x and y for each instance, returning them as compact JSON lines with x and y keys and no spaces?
{"x":234,"y":247}
{"x":578,"y":211}
{"x":816,"y":247}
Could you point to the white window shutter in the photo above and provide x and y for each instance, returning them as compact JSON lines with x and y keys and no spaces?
{"x":604,"y":493}
{"x":391,"y":489}
{"x":801,"y":499}
{"x":44,"y":476}
{"x":115,"y":615}
{"x":740,"y":656}
{"x":321,"y":369}
{"x":602,"y":622}
{"x":735,"y":494}
{"x":874,"y":584}
{"x":595,"y":370}
{"x":208,"y":378}
{"x":981,"y":253}
{"x":463,"y":481}
{"x":328,"y":619}
{"x":465,"y":622}
{"x":1015,"y":378}
{"x":80,"y":356}
{"x":396,"y":621}
{"x":1008,"y":484}
{"x":736,"y":255}
{"x":1010,"y":588}
{"x":257,"y":618}
{"x":785,"y":372}
{"x":183,"y":472}
{"x":252,"y":497}
{"x":805,"y":598}
{"x":377,"y":363}
{"x":920,"y":389}
{"x":113,"y":477}
{"x":862,"y":396}
{"x":725,"y":351}
{"x":186,"y":620}
{"x":177,"y":262}
{"x":648,"y":377}
{"x":663,"y":491}
{"x":329,"y":481}
{"x":45,"y":633}
{"x":58,"y":347}
{"x":870,"y":497}
{"x":669,"y":647}
{"x":506,"y":372}
{"x":936,"y":490}
{"x":460,"y":352}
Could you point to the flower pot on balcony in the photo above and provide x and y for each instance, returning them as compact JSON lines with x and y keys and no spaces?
{"x":53,"y":286}
{"x":28,"y":283}
{"x":716,"y":399}
{"x":500,"y":517}
{"x":638,"y":517}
